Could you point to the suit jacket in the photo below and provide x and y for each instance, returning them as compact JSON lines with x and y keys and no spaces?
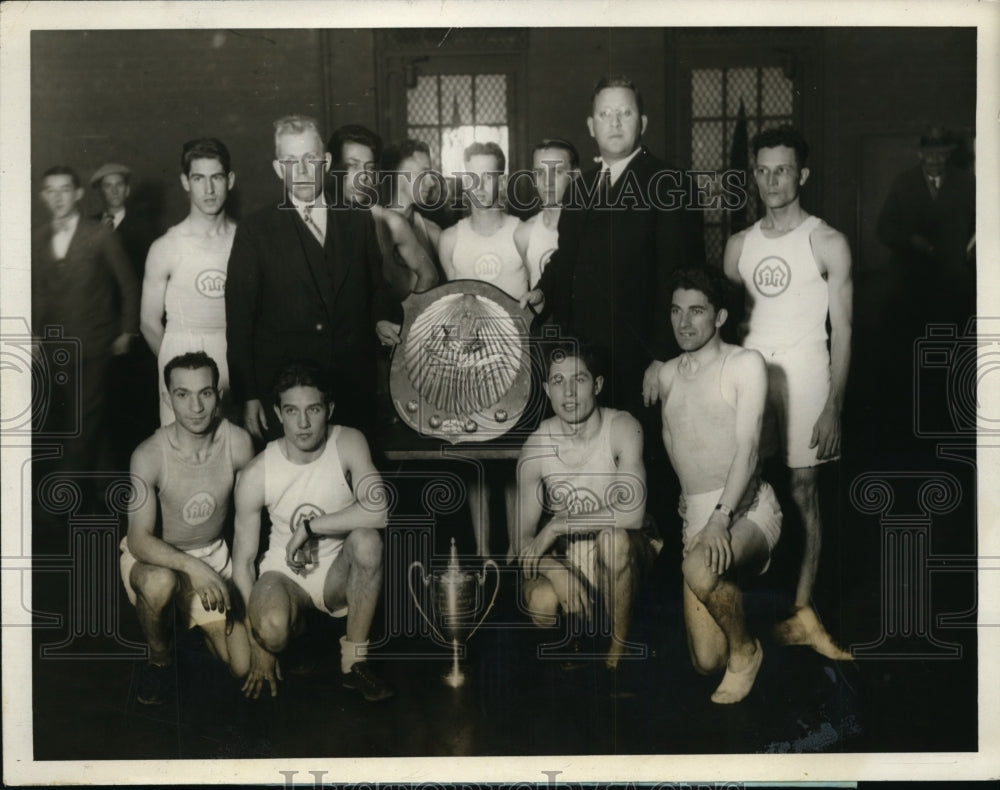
{"x":136,"y":236}
{"x":92,"y":293}
{"x":288,"y":298}
{"x":947,"y":221}
{"x":608,"y":282}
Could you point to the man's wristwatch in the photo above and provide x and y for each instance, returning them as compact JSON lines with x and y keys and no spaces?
{"x":307,"y":525}
{"x":725,"y":510}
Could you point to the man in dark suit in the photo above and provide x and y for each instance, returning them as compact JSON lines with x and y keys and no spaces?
{"x":621,"y":234}
{"x":303,"y":278}
{"x":928,"y":221}
{"x":132,"y":392}
{"x":82,"y":284}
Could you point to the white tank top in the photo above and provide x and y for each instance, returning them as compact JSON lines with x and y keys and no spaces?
{"x":789,"y":295}
{"x":542,"y":242}
{"x":293,"y":492}
{"x":589,"y":482}
{"x":493,"y":259}
{"x":195,"y":295}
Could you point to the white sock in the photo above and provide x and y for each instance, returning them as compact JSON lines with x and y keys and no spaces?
{"x":351,"y":653}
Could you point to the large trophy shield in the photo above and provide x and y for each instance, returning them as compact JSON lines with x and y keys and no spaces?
{"x":462,"y":371}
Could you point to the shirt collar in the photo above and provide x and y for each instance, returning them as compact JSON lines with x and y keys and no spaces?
{"x":302,"y":205}
{"x":67,"y":225}
{"x":619,"y":167}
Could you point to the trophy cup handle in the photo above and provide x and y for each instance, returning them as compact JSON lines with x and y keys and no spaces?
{"x":426,"y":581}
{"x":496,"y":589}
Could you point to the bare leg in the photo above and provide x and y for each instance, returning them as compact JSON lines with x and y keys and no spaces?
{"x":806,"y":496}
{"x":617,"y":580}
{"x":804,"y":627}
{"x":233,"y":650}
{"x":355,"y":579}
{"x":510,"y":504}
{"x":723,"y":601}
{"x":541,"y":602}
{"x":275,"y":611}
{"x":155,"y":588}
{"x":479,"y":510}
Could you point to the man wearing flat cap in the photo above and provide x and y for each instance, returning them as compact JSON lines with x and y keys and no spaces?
{"x":132,"y":392}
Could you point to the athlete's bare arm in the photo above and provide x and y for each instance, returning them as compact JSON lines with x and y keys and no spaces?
{"x":747,"y":384}
{"x":410,"y":250}
{"x":833,"y":254}
{"x":529,"y":500}
{"x":664,"y":381}
{"x":249,"y":499}
{"x":368,"y":508}
{"x":154,"y":293}
{"x":206,"y":583}
{"x":446,"y":250}
{"x":241,"y":446}
{"x":731,"y":256}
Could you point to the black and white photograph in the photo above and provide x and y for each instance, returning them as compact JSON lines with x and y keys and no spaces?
{"x":411,"y":392}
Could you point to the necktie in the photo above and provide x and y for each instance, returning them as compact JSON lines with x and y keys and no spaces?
{"x":311,"y":224}
{"x":109,"y":220}
{"x":604,"y":188}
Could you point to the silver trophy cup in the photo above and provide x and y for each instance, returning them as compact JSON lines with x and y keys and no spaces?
{"x":454,"y":606}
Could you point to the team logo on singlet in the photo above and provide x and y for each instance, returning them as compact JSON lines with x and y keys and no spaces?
{"x":198,"y":509}
{"x":303,"y":511}
{"x":772,"y":276}
{"x":574,"y":499}
{"x":488,"y":266}
{"x":211,"y":283}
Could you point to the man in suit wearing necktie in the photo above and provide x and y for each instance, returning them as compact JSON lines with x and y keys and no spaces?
{"x":623,"y":231}
{"x":132,"y":392}
{"x":303,"y":280}
{"x":928,"y":222}
{"x":82,"y":285}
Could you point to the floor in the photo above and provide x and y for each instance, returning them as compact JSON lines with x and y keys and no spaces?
{"x":913,"y":687}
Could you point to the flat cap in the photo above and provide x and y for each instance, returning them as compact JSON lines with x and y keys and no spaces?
{"x":108,"y":169}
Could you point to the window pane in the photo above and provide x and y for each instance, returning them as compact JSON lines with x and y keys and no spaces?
{"x":706,"y":92}
{"x":776,"y":93}
{"x":491,"y":98}
{"x":456,"y":139}
{"x":706,"y":145}
{"x":421,"y":102}
{"x":456,"y":99}
{"x":741,"y":84}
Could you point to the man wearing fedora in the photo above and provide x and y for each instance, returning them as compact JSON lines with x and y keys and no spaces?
{"x":928,"y":224}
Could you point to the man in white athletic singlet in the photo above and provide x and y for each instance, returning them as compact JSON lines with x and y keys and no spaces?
{"x":191,"y":466}
{"x":584,"y":466}
{"x":185,"y":278}
{"x":555,"y":163}
{"x":323,"y":495}
{"x":712,"y":399}
{"x":481,"y":246}
{"x":796,"y":271}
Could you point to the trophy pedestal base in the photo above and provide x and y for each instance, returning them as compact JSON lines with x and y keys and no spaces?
{"x":456,"y":677}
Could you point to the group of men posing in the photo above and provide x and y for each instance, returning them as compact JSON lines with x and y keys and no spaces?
{"x":307,"y":288}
